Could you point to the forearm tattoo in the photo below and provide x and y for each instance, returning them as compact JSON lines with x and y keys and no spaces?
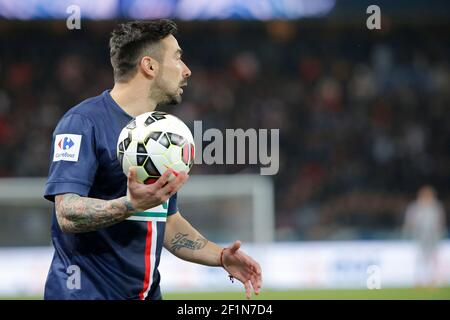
{"x":181,"y":240}
{"x":81,"y":214}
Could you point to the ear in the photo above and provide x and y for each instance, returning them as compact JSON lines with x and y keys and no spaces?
{"x":149,"y":67}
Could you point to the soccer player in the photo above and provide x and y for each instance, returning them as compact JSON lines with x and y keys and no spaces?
{"x":97,"y":232}
{"x":425,"y":223}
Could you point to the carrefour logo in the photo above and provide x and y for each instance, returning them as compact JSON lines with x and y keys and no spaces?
{"x":67,"y":147}
{"x":67,"y":143}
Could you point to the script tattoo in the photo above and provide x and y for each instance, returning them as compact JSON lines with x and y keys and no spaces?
{"x":82,"y":214}
{"x":181,"y":241}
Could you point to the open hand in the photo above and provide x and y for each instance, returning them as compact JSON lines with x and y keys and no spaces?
{"x":242,"y":267}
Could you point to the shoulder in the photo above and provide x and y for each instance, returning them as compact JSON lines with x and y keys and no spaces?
{"x":89,"y":109}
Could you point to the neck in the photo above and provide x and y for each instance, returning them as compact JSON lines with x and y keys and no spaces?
{"x":132,"y":97}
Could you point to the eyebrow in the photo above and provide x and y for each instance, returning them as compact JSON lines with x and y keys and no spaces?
{"x":179,"y":51}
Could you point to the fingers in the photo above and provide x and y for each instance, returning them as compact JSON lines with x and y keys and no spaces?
{"x":256,"y":281}
{"x":167,"y":188}
{"x":132,"y":179}
{"x":174,"y":185}
{"x":235,"y":246}
{"x":162,"y":180}
{"x":248,"y":289}
{"x":258,"y":277}
{"x":131,"y":173}
{"x":250,"y":273}
{"x":257,"y":268}
{"x":163,"y":188}
{"x":175,"y":173}
{"x":254,"y":274}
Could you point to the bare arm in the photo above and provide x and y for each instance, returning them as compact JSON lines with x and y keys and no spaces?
{"x":77,"y":214}
{"x":185,"y":242}
{"x":81,"y":214}
{"x":188,"y":244}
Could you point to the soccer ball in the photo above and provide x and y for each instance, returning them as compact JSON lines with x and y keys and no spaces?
{"x":154,"y":142}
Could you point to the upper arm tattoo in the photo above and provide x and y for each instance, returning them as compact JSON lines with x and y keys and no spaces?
{"x":82,"y":214}
{"x":181,"y":240}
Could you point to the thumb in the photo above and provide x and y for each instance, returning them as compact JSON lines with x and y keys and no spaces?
{"x":131,"y":175}
{"x":235,"y":246}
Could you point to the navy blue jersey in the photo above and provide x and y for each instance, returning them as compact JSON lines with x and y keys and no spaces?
{"x":117,"y":262}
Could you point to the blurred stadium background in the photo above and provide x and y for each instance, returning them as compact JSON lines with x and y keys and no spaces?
{"x":364,"y":122}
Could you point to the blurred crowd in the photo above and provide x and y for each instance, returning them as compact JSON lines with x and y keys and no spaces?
{"x":363,"y":115}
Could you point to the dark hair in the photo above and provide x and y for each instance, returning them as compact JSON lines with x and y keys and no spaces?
{"x":129,"y":40}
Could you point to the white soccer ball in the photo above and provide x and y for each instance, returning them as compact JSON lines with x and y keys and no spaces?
{"x":153,"y":142}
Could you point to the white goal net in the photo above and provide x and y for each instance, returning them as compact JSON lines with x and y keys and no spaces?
{"x":222,"y":207}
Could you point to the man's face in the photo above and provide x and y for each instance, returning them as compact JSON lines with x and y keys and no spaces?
{"x":172,"y":74}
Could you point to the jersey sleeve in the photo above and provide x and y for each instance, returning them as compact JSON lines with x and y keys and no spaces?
{"x":73,"y":157}
{"x":173,"y":207}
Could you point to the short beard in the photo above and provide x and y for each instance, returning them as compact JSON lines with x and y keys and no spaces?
{"x":170,"y":100}
{"x":166,"y":98}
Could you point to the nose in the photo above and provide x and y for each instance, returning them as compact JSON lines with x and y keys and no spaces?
{"x":186,"y":71}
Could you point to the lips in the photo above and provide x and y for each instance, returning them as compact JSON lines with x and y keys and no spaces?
{"x":183,"y":85}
